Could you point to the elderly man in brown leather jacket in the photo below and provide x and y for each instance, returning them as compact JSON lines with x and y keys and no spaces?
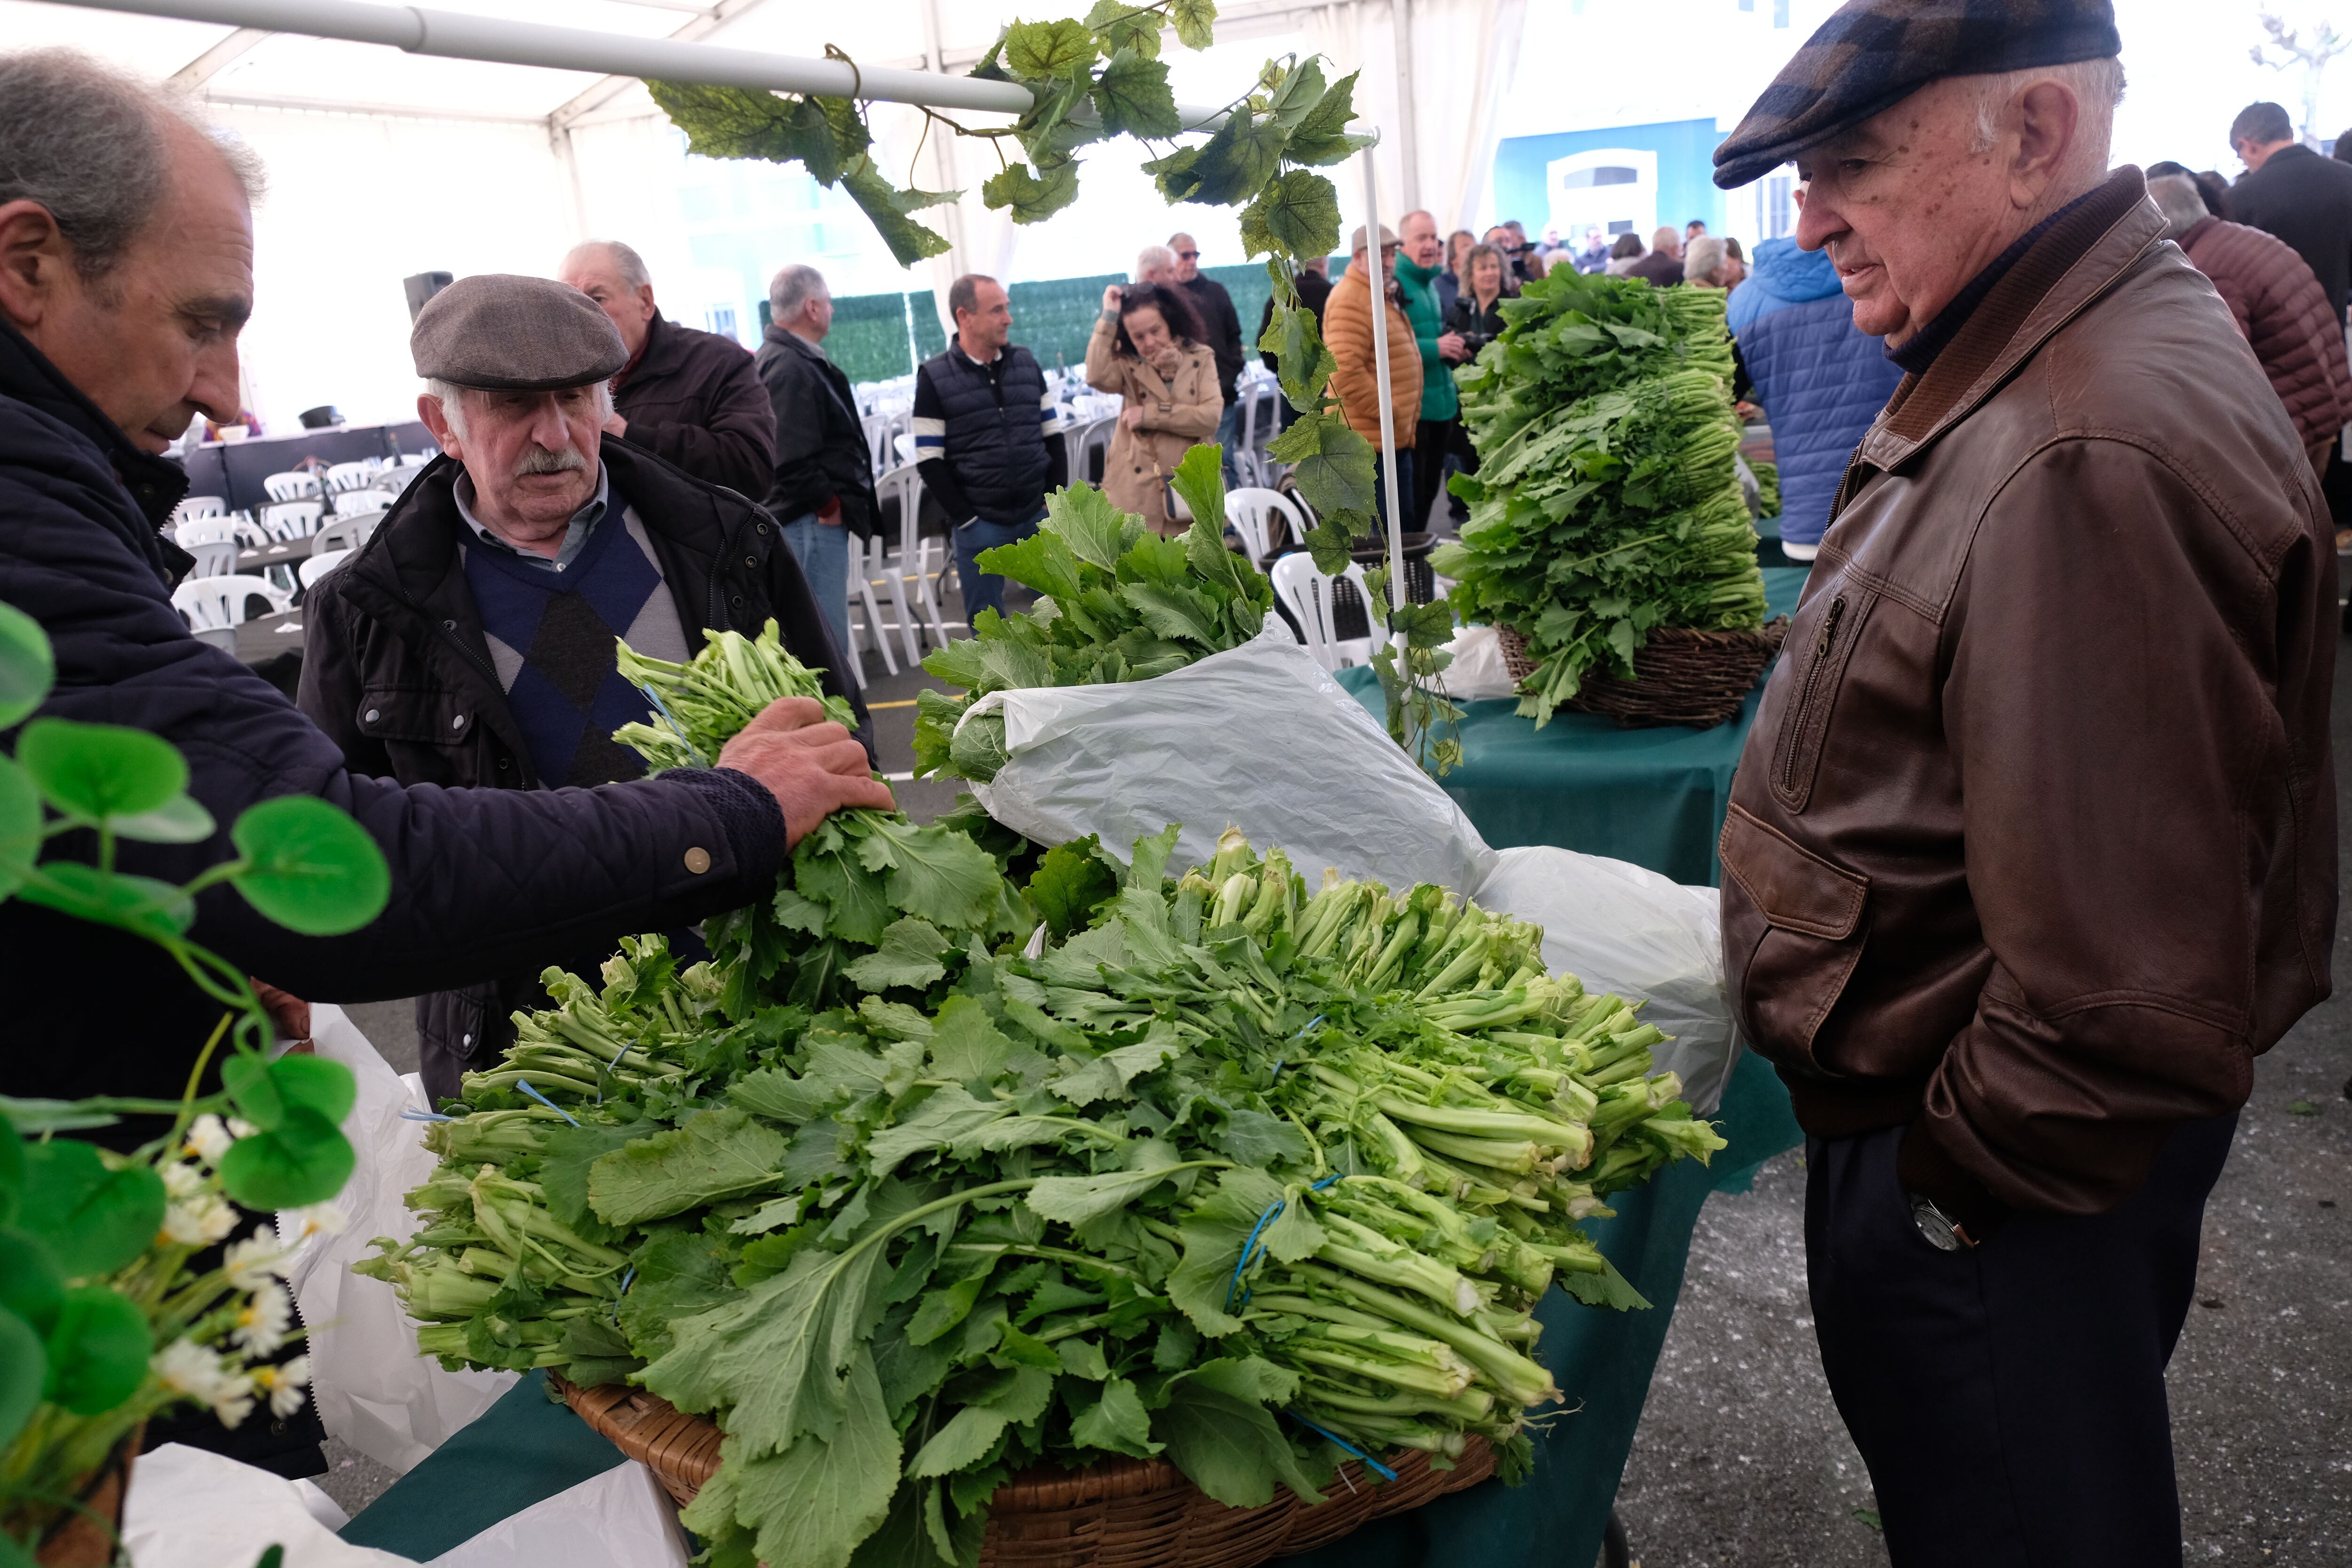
{"x":2034,"y":846}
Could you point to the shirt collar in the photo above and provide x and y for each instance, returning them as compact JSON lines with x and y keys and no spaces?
{"x":576,"y":533}
{"x":1920,"y":351}
{"x":957,"y":343}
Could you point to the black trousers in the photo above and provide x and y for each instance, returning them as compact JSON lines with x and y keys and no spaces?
{"x":2009,"y":1400}
{"x":1432,"y":444}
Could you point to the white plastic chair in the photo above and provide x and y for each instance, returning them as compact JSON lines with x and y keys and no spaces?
{"x":290,"y":485}
{"x":914,"y":561}
{"x":902,"y":445}
{"x":1307,"y":594}
{"x":877,"y":441}
{"x":320,"y":564}
{"x":215,"y":605}
{"x":288,"y":521}
{"x":1095,"y":437}
{"x":353,"y":476}
{"x":412,"y":460}
{"x":868,"y":569}
{"x":213,"y":542}
{"x":199,"y":506}
{"x":344,"y":533}
{"x":357,"y":503}
{"x":1252,"y":511}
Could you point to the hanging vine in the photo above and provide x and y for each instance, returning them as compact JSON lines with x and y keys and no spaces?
{"x":1094,"y":80}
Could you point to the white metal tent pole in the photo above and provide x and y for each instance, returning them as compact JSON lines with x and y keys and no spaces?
{"x":1378,"y":284}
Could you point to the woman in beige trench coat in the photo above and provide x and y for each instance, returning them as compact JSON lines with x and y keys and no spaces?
{"x":1147,"y":348}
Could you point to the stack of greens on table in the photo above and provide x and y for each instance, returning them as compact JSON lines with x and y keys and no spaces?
{"x":1607,"y":501}
{"x":1120,"y":602}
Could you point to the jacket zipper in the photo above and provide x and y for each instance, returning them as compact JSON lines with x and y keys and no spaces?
{"x":1794,"y":727}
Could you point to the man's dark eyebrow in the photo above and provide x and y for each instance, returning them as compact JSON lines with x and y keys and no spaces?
{"x":230,"y":310}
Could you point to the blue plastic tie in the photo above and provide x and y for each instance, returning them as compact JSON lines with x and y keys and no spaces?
{"x":524,"y":1084}
{"x":627,"y":1279}
{"x":1281,"y":1062}
{"x":674,"y":727}
{"x":1343,"y":1446}
{"x":408,"y":1114}
{"x":1249,"y":1247}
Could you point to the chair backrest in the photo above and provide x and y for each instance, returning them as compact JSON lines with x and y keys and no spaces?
{"x":199,"y":506}
{"x":319,"y":565}
{"x":358,"y":503}
{"x":344,"y":533}
{"x":902,"y":443}
{"x":214,"y":557}
{"x":290,"y":485}
{"x":1253,"y":513}
{"x":412,"y":459}
{"x":352,"y":476}
{"x":206,"y":531}
{"x":877,"y":441}
{"x":286,"y":521}
{"x":1095,"y":437}
{"x":905,"y":482}
{"x":1307,"y":593}
{"x":210,"y":604}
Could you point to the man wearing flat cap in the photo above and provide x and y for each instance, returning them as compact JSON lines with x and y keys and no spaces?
{"x":472,"y":640}
{"x":2034,"y":846}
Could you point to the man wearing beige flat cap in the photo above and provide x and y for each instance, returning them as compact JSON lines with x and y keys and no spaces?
{"x":501,"y":585}
{"x":2033,"y":848}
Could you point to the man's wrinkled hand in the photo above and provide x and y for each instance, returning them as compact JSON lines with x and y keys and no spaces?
{"x":812,"y":765}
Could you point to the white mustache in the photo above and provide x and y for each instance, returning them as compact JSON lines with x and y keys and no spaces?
{"x":540,"y":460}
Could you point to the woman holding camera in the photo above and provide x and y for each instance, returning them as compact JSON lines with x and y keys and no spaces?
{"x":1477,"y":318}
{"x":1147,"y":347}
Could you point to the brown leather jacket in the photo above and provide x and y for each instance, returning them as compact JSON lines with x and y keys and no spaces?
{"x":2034,"y":845}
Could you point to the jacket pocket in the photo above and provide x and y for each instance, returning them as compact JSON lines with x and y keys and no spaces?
{"x":427,"y":733}
{"x":1792,"y":932}
{"x":1824,"y":638}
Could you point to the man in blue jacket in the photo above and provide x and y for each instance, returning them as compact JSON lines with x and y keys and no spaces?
{"x":126,"y":273}
{"x":1822,"y":380}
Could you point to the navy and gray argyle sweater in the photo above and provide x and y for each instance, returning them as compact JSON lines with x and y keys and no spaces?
{"x":552,"y":636}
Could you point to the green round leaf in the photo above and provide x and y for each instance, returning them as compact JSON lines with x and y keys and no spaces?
{"x":313,"y":869}
{"x":99,"y":770}
{"x":30,"y":1284}
{"x":179,"y":820}
{"x":24,"y":1368}
{"x":142,"y":904}
{"x":27,"y":667}
{"x":20,"y":824}
{"x":267,"y":1092}
{"x":98,"y":1352}
{"x":303,"y":1161}
{"x":94,"y":1220}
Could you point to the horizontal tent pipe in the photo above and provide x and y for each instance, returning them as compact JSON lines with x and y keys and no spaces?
{"x":420,"y":30}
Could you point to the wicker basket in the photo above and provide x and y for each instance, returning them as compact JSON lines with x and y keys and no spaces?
{"x":87,"y":1537}
{"x":1680,"y":677}
{"x":1126,"y":1513}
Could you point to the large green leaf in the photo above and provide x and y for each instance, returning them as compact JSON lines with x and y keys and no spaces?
{"x":27,"y":667}
{"x":1033,"y":195}
{"x":812,"y":1504}
{"x":155,"y":909}
{"x":1321,"y":138}
{"x":310,"y":867}
{"x":939,"y":874}
{"x":1117,"y":1423}
{"x":1230,"y":1448}
{"x":23,"y":1370}
{"x":97,"y":1351}
{"x":1133,"y":96}
{"x":738,"y":122}
{"x":1199,"y":479}
{"x":1037,"y":49}
{"x":97,"y":771}
{"x":267,"y":1092}
{"x":1070,"y":883}
{"x":1233,"y":166}
{"x":713,"y":1155}
{"x":1126,"y":25}
{"x":1298,"y":214}
{"x":20,"y":824}
{"x":30,"y":1285}
{"x":908,"y":956}
{"x":886,"y":206}
{"x":180,"y":820}
{"x":1296,"y":340}
{"x":306,"y":1161}
{"x":92,"y":1219}
{"x":1192,"y":19}
{"x":1095,"y":529}
{"x":1333,"y":464}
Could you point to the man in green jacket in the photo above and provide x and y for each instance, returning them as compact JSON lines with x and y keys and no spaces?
{"x":1422,"y":258}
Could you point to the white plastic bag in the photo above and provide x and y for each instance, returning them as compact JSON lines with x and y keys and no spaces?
{"x":374,"y":1391}
{"x":190,"y":1508}
{"x":621,"y":1518}
{"x":1258,"y":736}
{"x":1618,"y":927}
{"x":1477,"y":671}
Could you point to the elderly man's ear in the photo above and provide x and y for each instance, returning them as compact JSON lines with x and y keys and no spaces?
{"x":2044,"y":118}
{"x":34,"y":262}
{"x":436,"y":419}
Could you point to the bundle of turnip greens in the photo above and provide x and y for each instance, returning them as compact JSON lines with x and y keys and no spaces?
{"x":1225,"y":1171}
{"x":1607,"y":502}
{"x":1119,"y":603}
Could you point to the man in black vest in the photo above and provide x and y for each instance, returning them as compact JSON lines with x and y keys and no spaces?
{"x":981,"y":410}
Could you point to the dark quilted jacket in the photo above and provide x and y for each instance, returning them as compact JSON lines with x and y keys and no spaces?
{"x":2280,"y":306}
{"x":694,"y":399}
{"x":484,"y":882}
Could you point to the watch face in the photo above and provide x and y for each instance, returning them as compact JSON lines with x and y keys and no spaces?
{"x":1933,"y":1225}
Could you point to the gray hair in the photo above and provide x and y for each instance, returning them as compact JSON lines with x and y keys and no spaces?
{"x":89,"y":142}
{"x":452,"y":398}
{"x":2182,"y":204}
{"x":791,"y":288}
{"x":2098,"y":86}
{"x":1153,"y":258}
{"x":1703,"y":258}
{"x":626,"y":261}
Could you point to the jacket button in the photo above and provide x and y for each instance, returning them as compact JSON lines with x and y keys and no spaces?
{"x":752,"y":562}
{"x":505,"y":763}
{"x":448,"y":626}
{"x":371,"y":716}
{"x":737,"y":601}
{"x":759,"y":528}
{"x":458,"y":723}
{"x":698,"y":859}
{"x":464,"y":1039}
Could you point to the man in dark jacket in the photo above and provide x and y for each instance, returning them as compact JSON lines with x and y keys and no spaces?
{"x":1223,"y":325}
{"x":1662,"y":266}
{"x":2292,"y":191}
{"x":690,"y":397}
{"x":529,"y":549}
{"x":980,"y":416}
{"x":822,"y":490}
{"x":2079,"y":560}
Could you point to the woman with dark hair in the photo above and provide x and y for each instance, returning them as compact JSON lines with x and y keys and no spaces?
{"x":1147,"y":347}
{"x":1622,"y":255}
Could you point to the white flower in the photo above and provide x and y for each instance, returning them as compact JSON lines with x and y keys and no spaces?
{"x":254,"y":1261}
{"x":208,"y":1138}
{"x":298,"y":1226}
{"x":190,"y":1369}
{"x":238,"y":1126}
{"x":283,"y":1384}
{"x":195,"y":1216}
{"x":261,"y":1326}
{"x":183,"y":1181}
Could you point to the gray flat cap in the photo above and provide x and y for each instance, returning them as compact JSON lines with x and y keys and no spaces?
{"x":506,"y":334}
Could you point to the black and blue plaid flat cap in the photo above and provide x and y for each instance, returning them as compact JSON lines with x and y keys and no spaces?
{"x":1873,"y":54}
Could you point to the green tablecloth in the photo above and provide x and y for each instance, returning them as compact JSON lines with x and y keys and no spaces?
{"x":1656,"y":797}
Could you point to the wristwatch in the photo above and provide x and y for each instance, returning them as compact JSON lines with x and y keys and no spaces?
{"x":1944,"y":1233}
